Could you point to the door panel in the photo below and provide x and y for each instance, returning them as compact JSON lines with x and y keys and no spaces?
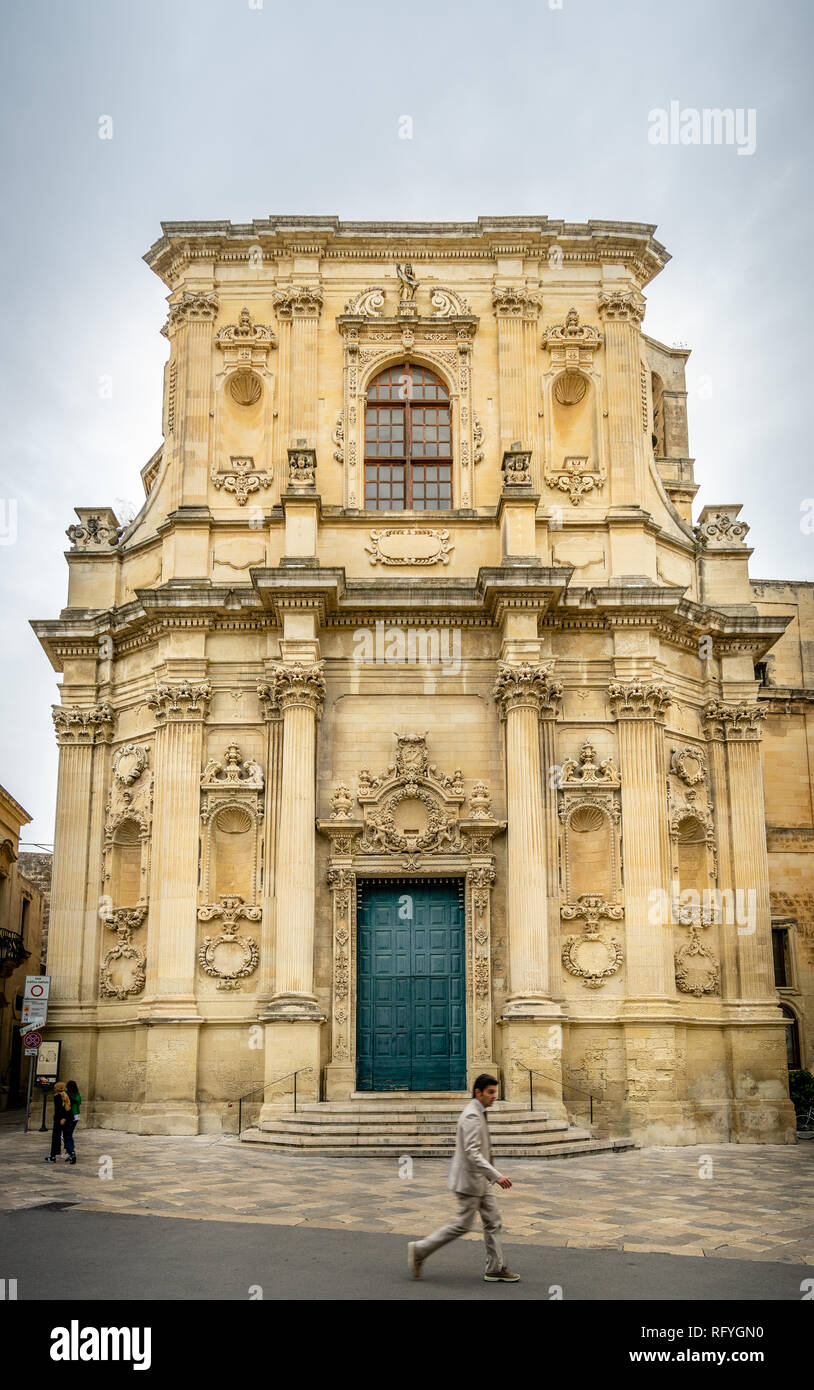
{"x":410,"y":988}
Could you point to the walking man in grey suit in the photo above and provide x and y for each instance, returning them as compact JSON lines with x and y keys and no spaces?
{"x":470,"y":1176}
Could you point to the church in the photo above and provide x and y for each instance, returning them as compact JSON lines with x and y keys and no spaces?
{"x":412,"y":730}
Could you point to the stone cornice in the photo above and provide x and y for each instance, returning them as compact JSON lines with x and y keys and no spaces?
{"x":527,"y":686}
{"x":597,"y":243}
{"x":74,"y":725}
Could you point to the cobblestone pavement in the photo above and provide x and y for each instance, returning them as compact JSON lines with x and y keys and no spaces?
{"x":756,"y":1203}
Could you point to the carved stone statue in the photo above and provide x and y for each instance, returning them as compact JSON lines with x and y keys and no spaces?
{"x":408,"y":283}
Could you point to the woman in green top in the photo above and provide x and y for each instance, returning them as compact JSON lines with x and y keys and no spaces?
{"x":75,"y":1097}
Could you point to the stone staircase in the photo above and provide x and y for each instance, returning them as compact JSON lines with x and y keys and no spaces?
{"x":376,"y":1126}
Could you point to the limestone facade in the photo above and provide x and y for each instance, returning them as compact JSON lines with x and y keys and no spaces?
{"x":414,"y":596}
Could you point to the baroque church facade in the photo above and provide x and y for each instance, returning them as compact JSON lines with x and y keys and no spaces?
{"x":412,"y":730}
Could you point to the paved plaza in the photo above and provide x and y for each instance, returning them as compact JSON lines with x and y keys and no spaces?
{"x":720,"y":1201}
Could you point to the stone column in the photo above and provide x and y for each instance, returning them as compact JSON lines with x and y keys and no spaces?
{"x":301,"y":305}
{"x":761,"y":1110}
{"x":515,"y":307}
{"x":189,"y":328}
{"x":170,"y":1007}
{"x":656,"y":1107}
{"x":621,"y":311}
{"x":640,"y":708}
{"x":548,"y":756}
{"x":294,"y":1015}
{"x":79,"y":732}
{"x":532,"y":1037}
{"x":274,"y":758}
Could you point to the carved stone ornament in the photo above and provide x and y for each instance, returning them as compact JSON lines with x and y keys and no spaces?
{"x":97,"y":529}
{"x":367,"y":303}
{"x":229,"y":958}
{"x":638,"y":699}
{"x":696,"y":969}
{"x":719,"y":528}
{"x":242,"y":481}
{"x":199,"y":306}
{"x":572,"y":342}
{"x":129,"y":762}
{"x":623,"y":306}
{"x":516,"y":468}
{"x":587,"y":771}
{"x":300,"y":683}
{"x":689,"y":765}
{"x":122,"y":955}
{"x":733,"y":722}
{"x":232,"y":772}
{"x":409,"y":546}
{"x":341,"y":803}
{"x":515,"y":301}
{"x":338,"y":437}
{"x":480,"y":802}
{"x":298,"y":301}
{"x":447,"y":303}
{"x":173,"y":701}
{"x":575,"y":478}
{"x":302,"y":469}
{"x":527,"y":686}
{"x":592,"y":957}
{"x":74,"y":725}
{"x":246,"y":342}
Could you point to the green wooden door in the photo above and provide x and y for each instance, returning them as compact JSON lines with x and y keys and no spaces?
{"x":410,"y":1013}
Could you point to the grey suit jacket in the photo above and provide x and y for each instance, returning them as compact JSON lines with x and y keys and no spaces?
{"x":471,"y":1169}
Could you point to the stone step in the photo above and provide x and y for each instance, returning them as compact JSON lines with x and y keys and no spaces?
{"x":408,"y":1120}
{"x":398,"y":1106}
{"x":416,"y":1133}
{"x":564,"y":1149}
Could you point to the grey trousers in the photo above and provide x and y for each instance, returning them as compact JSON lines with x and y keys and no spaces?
{"x":469,"y":1205}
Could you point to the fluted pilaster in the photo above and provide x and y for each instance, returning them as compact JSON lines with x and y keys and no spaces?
{"x":190,"y":328}
{"x":180,"y":710}
{"x":736,"y":728}
{"x":640,"y":707}
{"x":79,"y":732}
{"x":515,"y":307}
{"x":522,"y":692}
{"x":299,"y":690}
{"x":272,"y":716}
{"x":301,"y":305}
{"x":621,"y":312}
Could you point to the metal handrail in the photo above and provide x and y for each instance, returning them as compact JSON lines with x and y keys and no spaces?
{"x":546,"y":1076}
{"x":262,"y":1091}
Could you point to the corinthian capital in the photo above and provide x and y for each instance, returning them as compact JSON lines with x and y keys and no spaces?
{"x":638,"y":700}
{"x":301,"y":683}
{"x":527,"y":686}
{"x":733,"y":722}
{"x":298,"y":302}
{"x":200,"y":307}
{"x":515,"y":302}
{"x":86,"y":726}
{"x":623,"y":306}
{"x":173,"y":701}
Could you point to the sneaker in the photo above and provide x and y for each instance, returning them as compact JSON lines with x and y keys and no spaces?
{"x":50,"y":1160}
{"x":72,"y":1159}
{"x":413,"y":1262}
{"x":503,"y":1276}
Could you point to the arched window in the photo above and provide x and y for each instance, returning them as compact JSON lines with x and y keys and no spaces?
{"x":408,"y":442}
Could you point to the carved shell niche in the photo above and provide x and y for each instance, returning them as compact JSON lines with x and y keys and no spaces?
{"x":570,"y":388}
{"x":245,"y":388}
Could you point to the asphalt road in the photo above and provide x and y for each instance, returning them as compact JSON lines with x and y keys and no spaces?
{"x":71,"y":1255}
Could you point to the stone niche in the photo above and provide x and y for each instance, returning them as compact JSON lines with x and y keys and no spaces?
{"x":244,"y":411}
{"x":231,"y":867}
{"x":590,"y":865}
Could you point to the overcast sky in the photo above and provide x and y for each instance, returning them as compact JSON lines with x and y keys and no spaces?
{"x":231,"y":109}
